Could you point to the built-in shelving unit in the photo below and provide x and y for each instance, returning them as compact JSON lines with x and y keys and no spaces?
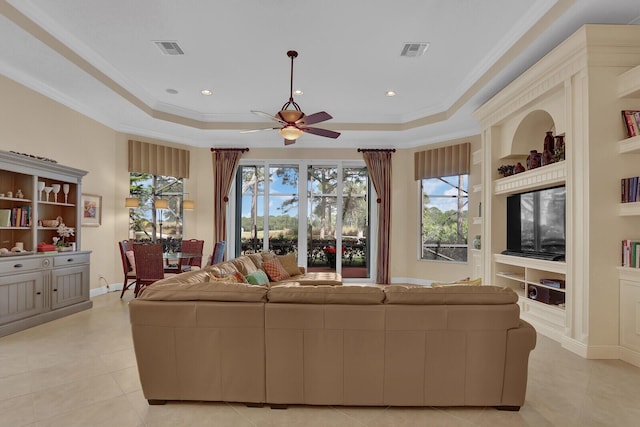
{"x":38,"y":287}
{"x":629,"y":278}
{"x":571,"y":92}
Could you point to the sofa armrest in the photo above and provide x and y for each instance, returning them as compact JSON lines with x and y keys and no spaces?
{"x":520,"y":342}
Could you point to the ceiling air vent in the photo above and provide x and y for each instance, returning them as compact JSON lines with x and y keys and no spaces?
{"x":169,"y":48}
{"x":414,"y":49}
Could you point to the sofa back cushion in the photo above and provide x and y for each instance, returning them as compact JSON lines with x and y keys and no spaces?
{"x":244,"y":265}
{"x":290,"y":263}
{"x":203,"y":291}
{"x":325,"y":294}
{"x":449,"y":295}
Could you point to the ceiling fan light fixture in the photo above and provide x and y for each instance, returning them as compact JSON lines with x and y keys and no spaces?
{"x":289,"y":116}
{"x":290,"y":132}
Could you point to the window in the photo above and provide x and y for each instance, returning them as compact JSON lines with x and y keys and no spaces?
{"x":444,"y":217}
{"x":146,"y":222}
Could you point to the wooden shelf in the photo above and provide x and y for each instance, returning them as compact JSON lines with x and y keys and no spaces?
{"x":629,"y":209}
{"x":542,"y":177}
{"x":629,"y":145}
{"x":629,"y":83}
{"x":538,"y":264}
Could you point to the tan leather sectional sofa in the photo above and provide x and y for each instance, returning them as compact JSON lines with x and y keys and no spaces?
{"x":199,"y":339}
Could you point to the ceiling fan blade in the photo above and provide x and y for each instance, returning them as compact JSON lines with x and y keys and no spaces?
{"x":289,"y":141}
{"x":321,"y":132}
{"x":314,"y":118}
{"x":258,"y":130}
{"x":268,"y":116}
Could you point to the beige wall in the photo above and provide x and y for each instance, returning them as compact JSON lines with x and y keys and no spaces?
{"x":34,"y":124}
{"x":405,"y":220}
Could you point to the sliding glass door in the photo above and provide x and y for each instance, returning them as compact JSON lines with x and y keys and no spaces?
{"x":330,"y":201}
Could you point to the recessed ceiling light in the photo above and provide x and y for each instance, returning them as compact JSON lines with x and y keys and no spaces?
{"x":206,"y":92}
{"x":172,"y":91}
{"x":298,"y":92}
{"x":390,"y":93}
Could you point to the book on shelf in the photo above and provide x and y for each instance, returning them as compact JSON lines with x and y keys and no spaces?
{"x":631,"y":119}
{"x":631,"y":253}
{"x":5,"y":217}
{"x":630,"y":190}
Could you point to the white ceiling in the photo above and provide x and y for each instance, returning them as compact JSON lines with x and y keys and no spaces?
{"x":98,"y":57}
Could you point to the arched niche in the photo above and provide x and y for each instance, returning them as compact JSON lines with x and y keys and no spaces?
{"x":531,"y":131}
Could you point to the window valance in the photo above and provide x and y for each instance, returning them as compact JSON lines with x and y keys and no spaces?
{"x":156,"y":159}
{"x":444,"y":161}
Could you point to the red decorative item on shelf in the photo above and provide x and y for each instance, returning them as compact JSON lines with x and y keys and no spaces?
{"x":533,"y":159}
{"x":45,"y":247}
{"x":547,"y":153}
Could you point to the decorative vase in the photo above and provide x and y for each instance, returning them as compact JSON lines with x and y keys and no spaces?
{"x":518,"y":168}
{"x":533,"y":159}
{"x":558,"y":152}
{"x":547,"y":153}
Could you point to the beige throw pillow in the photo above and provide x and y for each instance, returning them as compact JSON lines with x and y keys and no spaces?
{"x":290,"y":263}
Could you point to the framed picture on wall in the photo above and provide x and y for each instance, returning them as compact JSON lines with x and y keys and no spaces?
{"x":91,"y":210}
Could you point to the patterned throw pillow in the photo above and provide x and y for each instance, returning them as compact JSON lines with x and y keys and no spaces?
{"x":257,"y":278}
{"x":290,"y":263}
{"x":275,"y":270}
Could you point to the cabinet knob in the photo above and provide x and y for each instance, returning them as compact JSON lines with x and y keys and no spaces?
{"x":38,"y":293}
{"x":69,"y":259}
{"x":17,"y":265}
{"x":55,"y":290}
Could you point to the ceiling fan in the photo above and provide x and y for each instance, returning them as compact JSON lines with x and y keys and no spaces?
{"x":293,"y":121}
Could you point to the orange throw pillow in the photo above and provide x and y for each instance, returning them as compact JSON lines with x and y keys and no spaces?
{"x":275,"y":270}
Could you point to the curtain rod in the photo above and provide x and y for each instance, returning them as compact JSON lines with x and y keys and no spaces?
{"x":392,"y":150}
{"x":229,"y":149}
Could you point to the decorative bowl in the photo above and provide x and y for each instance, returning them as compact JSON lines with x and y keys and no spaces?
{"x":52,"y":222}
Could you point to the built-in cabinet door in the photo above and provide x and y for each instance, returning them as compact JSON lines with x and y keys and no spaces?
{"x":69,"y":285}
{"x":21,"y":295}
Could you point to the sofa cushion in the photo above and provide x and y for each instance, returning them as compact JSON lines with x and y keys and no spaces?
{"x":203,"y":291}
{"x":257,"y":278}
{"x":244,"y":265}
{"x":222,"y":269}
{"x":236,"y":277}
{"x":275,"y":270}
{"x":325,"y":294}
{"x":290,"y":263}
{"x":314,"y":278}
{"x":257,"y":260}
{"x":467,"y":281}
{"x":449,"y":295}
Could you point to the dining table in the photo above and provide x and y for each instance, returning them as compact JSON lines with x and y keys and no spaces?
{"x":172,"y":259}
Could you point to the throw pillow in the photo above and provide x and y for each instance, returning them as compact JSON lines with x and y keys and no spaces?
{"x":275,"y":270}
{"x":229,"y":278}
{"x":257,"y":278}
{"x":290,"y":263}
{"x":132,"y":260}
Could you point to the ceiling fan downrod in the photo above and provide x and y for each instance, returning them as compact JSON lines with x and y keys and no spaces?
{"x":291,"y":54}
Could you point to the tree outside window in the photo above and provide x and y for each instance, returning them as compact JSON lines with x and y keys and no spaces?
{"x":157,"y":225}
{"x":444,"y":225}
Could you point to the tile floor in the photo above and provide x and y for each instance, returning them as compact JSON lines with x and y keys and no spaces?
{"x":81,"y":371}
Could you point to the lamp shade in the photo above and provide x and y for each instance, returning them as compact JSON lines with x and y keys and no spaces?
{"x":131,"y":202}
{"x":160,"y":204}
{"x":290,"y":132}
{"x":188,"y":205}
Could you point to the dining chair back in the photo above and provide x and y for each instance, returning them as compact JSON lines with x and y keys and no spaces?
{"x":192,"y":246}
{"x":218,"y":252}
{"x":128,"y":266}
{"x":149,"y":264}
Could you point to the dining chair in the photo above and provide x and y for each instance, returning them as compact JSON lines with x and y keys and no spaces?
{"x":128,"y":266}
{"x":149,"y":264}
{"x":218,"y":252}
{"x":193,"y":246}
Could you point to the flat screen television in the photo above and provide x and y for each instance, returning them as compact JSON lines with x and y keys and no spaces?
{"x":536,"y":224}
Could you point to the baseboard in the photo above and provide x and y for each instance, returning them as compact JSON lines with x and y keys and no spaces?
{"x":114,"y":287}
{"x":603,"y":352}
{"x":630,"y":356}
